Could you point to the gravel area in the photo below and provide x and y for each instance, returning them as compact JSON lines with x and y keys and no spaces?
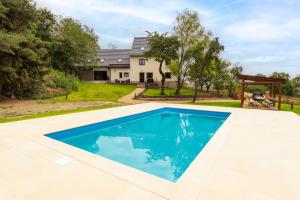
{"x":12,"y":108}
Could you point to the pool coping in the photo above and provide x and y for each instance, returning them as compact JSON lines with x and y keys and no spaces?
{"x":77,"y":131}
{"x":155,"y":184}
{"x":192,"y":184}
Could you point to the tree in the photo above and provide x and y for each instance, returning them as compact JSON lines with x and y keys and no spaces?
{"x":212,"y":62}
{"x":45,"y":25}
{"x":289,"y":87}
{"x":281,"y":75}
{"x":32,"y":41}
{"x":232,"y":80}
{"x":196,"y":68}
{"x":24,"y":56}
{"x":187,"y":29}
{"x":75,"y":47}
{"x":163,"y":49}
{"x":296,"y":80}
{"x":205,"y":56}
{"x":220,"y":76}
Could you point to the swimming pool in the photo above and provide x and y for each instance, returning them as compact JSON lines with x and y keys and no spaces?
{"x":161,"y":142}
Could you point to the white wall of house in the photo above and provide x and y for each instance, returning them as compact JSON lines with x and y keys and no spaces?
{"x":150,"y":66}
{"x":115,"y":74}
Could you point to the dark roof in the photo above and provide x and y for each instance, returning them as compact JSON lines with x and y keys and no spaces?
{"x":139,"y":46}
{"x":114,"y":57}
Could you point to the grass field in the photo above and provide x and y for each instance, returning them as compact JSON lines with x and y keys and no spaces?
{"x":98,"y":92}
{"x":53,"y":113}
{"x":156,"y":92}
{"x":221,"y":104}
{"x":287,"y":107}
{"x":284,"y":107}
{"x":183,"y":92}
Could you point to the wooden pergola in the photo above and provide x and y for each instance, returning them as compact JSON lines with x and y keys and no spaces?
{"x":260,"y":80}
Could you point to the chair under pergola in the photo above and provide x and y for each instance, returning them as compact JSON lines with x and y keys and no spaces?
{"x":260,"y":80}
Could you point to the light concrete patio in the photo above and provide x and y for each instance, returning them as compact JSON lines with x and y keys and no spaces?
{"x":254,"y":155}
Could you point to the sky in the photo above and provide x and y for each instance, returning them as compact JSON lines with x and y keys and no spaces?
{"x":261,"y":35}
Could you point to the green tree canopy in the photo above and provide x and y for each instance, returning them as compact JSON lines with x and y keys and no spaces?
{"x":205,"y":55}
{"x":32,"y":41}
{"x":188,"y":30}
{"x":163,"y":48}
{"x":75,"y":46}
{"x":232,"y":80}
{"x":23,"y":55}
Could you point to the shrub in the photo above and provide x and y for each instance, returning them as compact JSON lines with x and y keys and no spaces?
{"x":55,"y":83}
{"x":57,"y":79}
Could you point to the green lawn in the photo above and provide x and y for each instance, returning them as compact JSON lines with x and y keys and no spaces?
{"x":60,"y":112}
{"x":284,"y":107}
{"x":183,"y":92}
{"x":156,"y":92}
{"x":98,"y":92}
{"x":221,"y":104}
{"x":287,"y":107}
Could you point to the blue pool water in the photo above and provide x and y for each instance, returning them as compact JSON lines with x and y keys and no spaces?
{"x":162,"y":142}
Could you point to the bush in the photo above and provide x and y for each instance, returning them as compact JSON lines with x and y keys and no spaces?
{"x":56,"y":83}
{"x":57,"y":79}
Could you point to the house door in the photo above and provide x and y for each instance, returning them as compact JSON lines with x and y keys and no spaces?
{"x":142,"y":77}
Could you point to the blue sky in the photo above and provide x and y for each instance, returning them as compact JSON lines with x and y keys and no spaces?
{"x":261,"y":35}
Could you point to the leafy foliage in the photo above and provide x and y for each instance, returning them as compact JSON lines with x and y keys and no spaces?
{"x":32,"y":42}
{"x":188,"y":30}
{"x":290,"y":86}
{"x":163,"y":48}
{"x":231,"y":79}
{"x":24,"y":56}
{"x":75,"y":46}
{"x":57,"y":79}
{"x":220,"y":75}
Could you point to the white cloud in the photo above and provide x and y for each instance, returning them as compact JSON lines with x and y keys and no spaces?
{"x":264,"y":28}
{"x":261,"y":35}
{"x":263,"y":59}
{"x":155,"y":11}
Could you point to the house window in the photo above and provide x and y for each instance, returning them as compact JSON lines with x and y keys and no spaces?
{"x":149,"y":75}
{"x":142,"y":61}
{"x":126,"y":74}
{"x":120,"y":74}
{"x":168,"y":75}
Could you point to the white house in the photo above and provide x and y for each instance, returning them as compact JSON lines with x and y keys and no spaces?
{"x":127,"y":65}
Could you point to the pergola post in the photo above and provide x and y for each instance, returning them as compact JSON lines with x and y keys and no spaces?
{"x":279,"y":95}
{"x":273,"y":91}
{"x":242,"y":92}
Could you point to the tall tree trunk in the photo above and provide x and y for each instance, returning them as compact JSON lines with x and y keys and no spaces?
{"x":178,"y":85}
{"x":207,"y":87}
{"x":229,"y":92}
{"x":163,"y":78}
{"x":195,"y":92}
{"x":66,"y":70}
